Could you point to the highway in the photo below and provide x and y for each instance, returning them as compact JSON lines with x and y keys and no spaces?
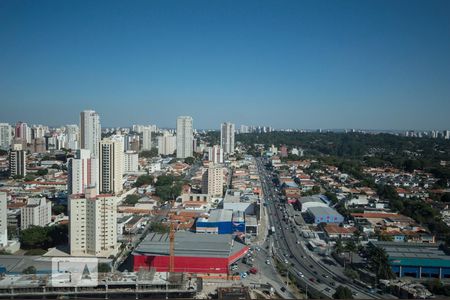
{"x":288,"y":246}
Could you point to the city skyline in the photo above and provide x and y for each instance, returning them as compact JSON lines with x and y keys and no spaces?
{"x":365,"y":65}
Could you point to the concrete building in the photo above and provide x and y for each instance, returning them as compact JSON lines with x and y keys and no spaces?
{"x":90,"y":131}
{"x":93,"y":224}
{"x":311,"y":201}
{"x":147,"y":138}
{"x":185,"y":137}
{"x":324,"y":215}
{"x":3,"y":220}
{"x":72,"y":134}
{"x":5,"y":136}
{"x":83,"y":172}
{"x":166,"y":143}
{"x":23,"y":132}
{"x":131,"y":162}
{"x":227,"y":137}
{"x":212,"y":181}
{"x":215,"y":154}
{"x":194,"y":253}
{"x":111,"y":166}
{"x":37,"y":212}
{"x":17,"y":161}
{"x":219,"y":221}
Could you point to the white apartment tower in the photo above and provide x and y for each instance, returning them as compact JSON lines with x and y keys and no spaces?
{"x":227,"y":137}
{"x":185,"y":136}
{"x":166,"y":144}
{"x":90,"y":131}
{"x":212,"y":181}
{"x":93,"y":224}
{"x":82,"y":172}
{"x":130,"y":162}
{"x":37,"y":212}
{"x":72,"y":133}
{"x":3,"y":220}
{"x":5,"y":136}
{"x":215,"y":154}
{"x":17,"y":161}
{"x":147,"y":138}
{"x":111,"y":166}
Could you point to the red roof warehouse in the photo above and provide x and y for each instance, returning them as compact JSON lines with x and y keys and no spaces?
{"x":194,"y":253}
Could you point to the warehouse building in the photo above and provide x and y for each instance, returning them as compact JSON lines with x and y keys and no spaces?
{"x":203,"y":254}
{"x":324,"y":215}
{"x":416,"y":260}
{"x":219,"y":221}
{"x":311,"y":201}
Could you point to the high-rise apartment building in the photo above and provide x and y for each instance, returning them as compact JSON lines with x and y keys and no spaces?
{"x":130,"y":162}
{"x":23,"y":132}
{"x":37,"y":212}
{"x":212,"y":181}
{"x":82,"y":172}
{"x":111,"y":166}
{"x":72,"y":137}
{"x":5,"y":136}
{"x":166,"y":143}
{"x":93,"y":224}
{"x":185,"y":136}
{"x":227,"y":137}
{"x":17,"y":161}
{"x":215,"y":154}
{"x":147,"y":138}
{"x":3,"y":220}
{"x":90,"y":131}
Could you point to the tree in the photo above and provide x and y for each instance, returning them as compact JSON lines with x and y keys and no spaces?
{"x":144,"y":180}
{"x":59,"y":209}
{"x":42,"y":172}
{"x":149,"y":153}
{"x":29,"y":270}
{"x":343,"y":292}
{"x":338,"y":247}
{"x":189,"y":160}
{"x":34,"y":237}
{"x":351,"y":247}
{"x":379,"y":262}
{"x":55,"y":166}
{"x":132,"y":199}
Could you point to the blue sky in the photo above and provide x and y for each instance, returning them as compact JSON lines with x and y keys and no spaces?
{"x":298,"y":64}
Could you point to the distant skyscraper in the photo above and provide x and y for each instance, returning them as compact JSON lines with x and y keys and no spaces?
{"x":147,"y":138}
{"x":215,"y":154}
{"x":18,"y":161}
{"x":227,"y":137}
{"x":72,"y":133}
{"x":90,"y":131}
{"x":5,"y":136}
{"x":23,"y":132}
{"x":212,"y":181}
{"x":82,"y":172}
{"x":166,"y":143}
{"x":111,"y":166}
{"x":92,"y":224}
{"x":185,"y":136}
{"x":3,"y":220}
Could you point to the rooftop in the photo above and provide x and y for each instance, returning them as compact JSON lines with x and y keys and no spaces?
{"x":322,"y":211}
{"x":190,"y":244}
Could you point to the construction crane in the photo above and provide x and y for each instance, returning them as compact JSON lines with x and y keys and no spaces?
{"x":172,"y":248}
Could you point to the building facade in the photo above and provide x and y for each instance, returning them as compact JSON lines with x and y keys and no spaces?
{"x":147,"y":138}
{"x":83,"y":172}
{"x":227,"y":137}
{"x":93,"y":224}
{"x":215,"y":154}
{"x":166,"y":143}
{"x":212,"y":181}
{"x":3,"y":220}
{"x":185,"y":136}
{"x":5,"y":136}
{"x":17,"y":161}
{"x":131,"y":162}
{"x":90,"y":131}
{"x":37,"y":212}
{"x":111,"y":166}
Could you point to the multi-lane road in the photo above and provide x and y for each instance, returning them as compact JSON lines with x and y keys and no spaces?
{"x":288,"y":245}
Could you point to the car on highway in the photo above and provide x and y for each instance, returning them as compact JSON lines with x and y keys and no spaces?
{"x":267,"y":262}
{"x":253,"y":270}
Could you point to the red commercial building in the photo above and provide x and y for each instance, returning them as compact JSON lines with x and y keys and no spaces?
{"x":194,"y":253}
